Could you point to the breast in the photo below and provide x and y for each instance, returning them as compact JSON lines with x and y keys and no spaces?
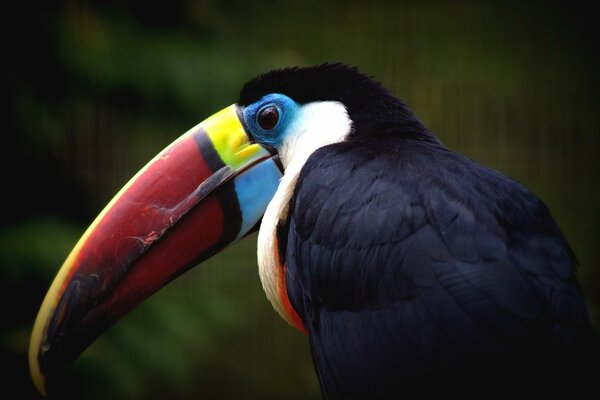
{"x":271,"y":264}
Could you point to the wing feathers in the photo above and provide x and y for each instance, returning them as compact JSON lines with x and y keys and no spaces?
{"x":409,"y":261}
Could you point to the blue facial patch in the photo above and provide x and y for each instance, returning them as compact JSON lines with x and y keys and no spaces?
{"x":255,"y":188}
{"x":287,"y":110}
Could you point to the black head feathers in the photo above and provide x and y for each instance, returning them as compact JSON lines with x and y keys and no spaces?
{"x":374,"y":111}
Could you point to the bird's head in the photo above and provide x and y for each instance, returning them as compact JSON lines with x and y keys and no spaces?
{"x":295,"y":109}
{"x":205,"y":191}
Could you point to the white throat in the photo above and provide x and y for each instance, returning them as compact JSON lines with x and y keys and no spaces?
{"x":319,"y":124}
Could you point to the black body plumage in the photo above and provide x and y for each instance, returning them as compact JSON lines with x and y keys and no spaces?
{"x":410,"y":263}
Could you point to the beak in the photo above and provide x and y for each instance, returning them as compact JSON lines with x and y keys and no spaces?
{"x":203,"y":192}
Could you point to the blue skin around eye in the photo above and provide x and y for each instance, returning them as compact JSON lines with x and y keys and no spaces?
{"x":288,"y":110}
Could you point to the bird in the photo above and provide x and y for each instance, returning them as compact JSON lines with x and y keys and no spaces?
{"x":405,"y":263}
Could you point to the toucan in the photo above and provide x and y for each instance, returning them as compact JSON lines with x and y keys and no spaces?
{"x":402,"y":261}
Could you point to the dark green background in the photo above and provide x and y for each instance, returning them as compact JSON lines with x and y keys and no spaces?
{"x":94,"y":90}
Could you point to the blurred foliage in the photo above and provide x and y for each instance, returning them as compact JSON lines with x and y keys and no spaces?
{"x":95,"y":89}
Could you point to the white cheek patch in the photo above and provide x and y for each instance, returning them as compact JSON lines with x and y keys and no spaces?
{"x":317,"y":124}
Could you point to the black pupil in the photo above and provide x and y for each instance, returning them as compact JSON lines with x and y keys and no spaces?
{"x":268,"y":118}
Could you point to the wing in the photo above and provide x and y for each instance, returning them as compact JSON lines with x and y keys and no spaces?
{"x":406,"y":260}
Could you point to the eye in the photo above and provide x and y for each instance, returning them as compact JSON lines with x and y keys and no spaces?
{"x":268,"y":118}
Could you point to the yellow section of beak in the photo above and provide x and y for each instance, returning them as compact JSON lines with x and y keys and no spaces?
{"x":230,"y":140}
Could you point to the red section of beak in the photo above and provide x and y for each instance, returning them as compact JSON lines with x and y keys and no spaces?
{"x":168,"y":258}
{"x":169,"y":217}
{"x":153,"y":203}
